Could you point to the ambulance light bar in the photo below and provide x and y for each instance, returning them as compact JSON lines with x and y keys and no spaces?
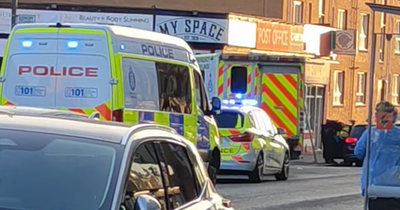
{"x":233,"y":102}
{"x":262,"y":57}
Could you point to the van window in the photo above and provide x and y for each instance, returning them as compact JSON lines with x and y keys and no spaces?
{"x":201,"y":96}
{"x":238,"y":79}
{"x":150,"y":85}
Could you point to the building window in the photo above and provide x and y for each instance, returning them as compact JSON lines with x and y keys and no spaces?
{"x":361,"y":87}
{"x":382,"y":38}
{"x":396,"y":89}
{"x":338,"y":81}
{"x":342,"y":19}
{"x":321,"y":6}
{"x":363,"y":32}
{"x":310,"y":13}
{"x":381,"y":90}
{"x":397,"y":39}
{"x":297,"y":11}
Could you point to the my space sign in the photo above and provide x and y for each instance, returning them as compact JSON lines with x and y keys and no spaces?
{"x":193,"y":29}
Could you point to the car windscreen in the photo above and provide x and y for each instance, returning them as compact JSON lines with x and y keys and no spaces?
{"x":44,"y":171}
{"x":229,"y":119}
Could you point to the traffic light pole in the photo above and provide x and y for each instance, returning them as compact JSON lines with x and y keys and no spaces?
{"x":14,"y":6}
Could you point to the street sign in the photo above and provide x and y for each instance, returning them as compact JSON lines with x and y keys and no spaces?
{"x":26,"y":19}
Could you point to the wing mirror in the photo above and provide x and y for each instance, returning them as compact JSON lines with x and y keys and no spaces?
{"x":147,"y":202}
{"x":216,"y":105}
{"x":281,"y":131}
{"x":94,"y":116}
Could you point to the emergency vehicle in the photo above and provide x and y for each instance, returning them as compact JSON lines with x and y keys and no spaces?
{"x":126,"y":74}
{"x":274,"y":81}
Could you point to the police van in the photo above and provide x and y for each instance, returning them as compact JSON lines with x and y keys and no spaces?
{"x":125,"y":74}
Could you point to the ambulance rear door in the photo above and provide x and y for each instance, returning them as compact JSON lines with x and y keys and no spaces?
{"x":209,"y":69}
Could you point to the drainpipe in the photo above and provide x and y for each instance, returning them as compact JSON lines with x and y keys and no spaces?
{"x":353,"y":62}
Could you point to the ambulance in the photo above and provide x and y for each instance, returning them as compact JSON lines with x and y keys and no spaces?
{"x":273,"y":82}
{"x":125,"y":74}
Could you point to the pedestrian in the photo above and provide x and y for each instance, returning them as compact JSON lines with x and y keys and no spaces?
{"x":384,"y":161}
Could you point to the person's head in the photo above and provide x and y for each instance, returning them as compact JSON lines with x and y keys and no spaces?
{"x":386,"y":107}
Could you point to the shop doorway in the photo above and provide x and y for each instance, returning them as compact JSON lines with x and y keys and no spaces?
{"x":314,"y":105}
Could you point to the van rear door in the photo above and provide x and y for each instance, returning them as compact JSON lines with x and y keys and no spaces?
{"x":61,"y":68}
{"x":26,"y":69}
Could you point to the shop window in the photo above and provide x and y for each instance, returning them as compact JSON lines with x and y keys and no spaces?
{"x":338,"y":81}
{"x":361,"y":88}
{"x":238,"y":79}
{"x":396,"y":89}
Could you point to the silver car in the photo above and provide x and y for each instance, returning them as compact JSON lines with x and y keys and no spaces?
{"x":50,"y":163}
{"x":44,"y":112}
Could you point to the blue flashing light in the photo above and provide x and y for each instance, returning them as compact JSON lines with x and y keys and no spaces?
{"x":247,"y":102}
{"x":238,"y":95}
{"x":27,"y":43}
{"x":72,"y":44}
{"x":122,"y":47}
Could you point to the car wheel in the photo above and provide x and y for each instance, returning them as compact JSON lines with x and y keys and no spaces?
{"x":359,"y":163}
{"x":213,"y":167}
{"x":347,"y":162}
{"x":257,"y":175}
{"x":284,"y":174}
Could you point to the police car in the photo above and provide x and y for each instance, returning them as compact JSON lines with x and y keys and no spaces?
{"x":89,"y":164}
{"x":250,"y":143}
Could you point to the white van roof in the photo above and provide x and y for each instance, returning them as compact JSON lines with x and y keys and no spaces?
{"x":122,"y":33}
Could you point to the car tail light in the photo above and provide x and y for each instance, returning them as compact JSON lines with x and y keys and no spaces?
{"x":117,"y":115}
{"x":242,"y":137}
{"x":350,"y":140}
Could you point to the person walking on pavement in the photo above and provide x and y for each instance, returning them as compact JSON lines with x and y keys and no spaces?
{"x":384,"y":161}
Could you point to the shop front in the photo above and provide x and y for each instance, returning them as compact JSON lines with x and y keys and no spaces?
{"x":204,"y":33}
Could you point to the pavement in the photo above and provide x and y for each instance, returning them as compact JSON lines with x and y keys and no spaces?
{"x":311,"y":186}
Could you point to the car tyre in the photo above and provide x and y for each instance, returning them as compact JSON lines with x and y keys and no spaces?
{"x":284,"y":174}
{"x":347,"y":162}
{"x":213,"y":166}
{"x":257,"y":175}
{"x":359,"y":163}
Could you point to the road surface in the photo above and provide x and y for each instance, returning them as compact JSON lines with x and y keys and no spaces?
{"x":310,"y":187}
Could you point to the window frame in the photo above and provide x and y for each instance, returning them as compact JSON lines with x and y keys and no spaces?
{"x":364,"y":34}
{"x":199,"y":82}
{"x":342,"y":19}
{"x":361,"y":90}
{"x":298,"y":8}
{"x":395,"y":89}
{"x":397,"y":37}
{"x":338,"y":98}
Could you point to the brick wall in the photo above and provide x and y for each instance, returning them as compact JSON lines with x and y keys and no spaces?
{"x":270,"y":8}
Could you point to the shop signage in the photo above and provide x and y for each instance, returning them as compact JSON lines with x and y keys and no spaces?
{"x":296,"y":38}
{"x":343,"y":42}
{"x":141,"y":21}
{"x":317,"y":73}
{"x":273,"y":36}
{"x":193,"y":29}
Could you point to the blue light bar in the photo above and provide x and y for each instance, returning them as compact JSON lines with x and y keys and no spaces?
{"x":72,"y":44}
{"x":27,"y":43}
